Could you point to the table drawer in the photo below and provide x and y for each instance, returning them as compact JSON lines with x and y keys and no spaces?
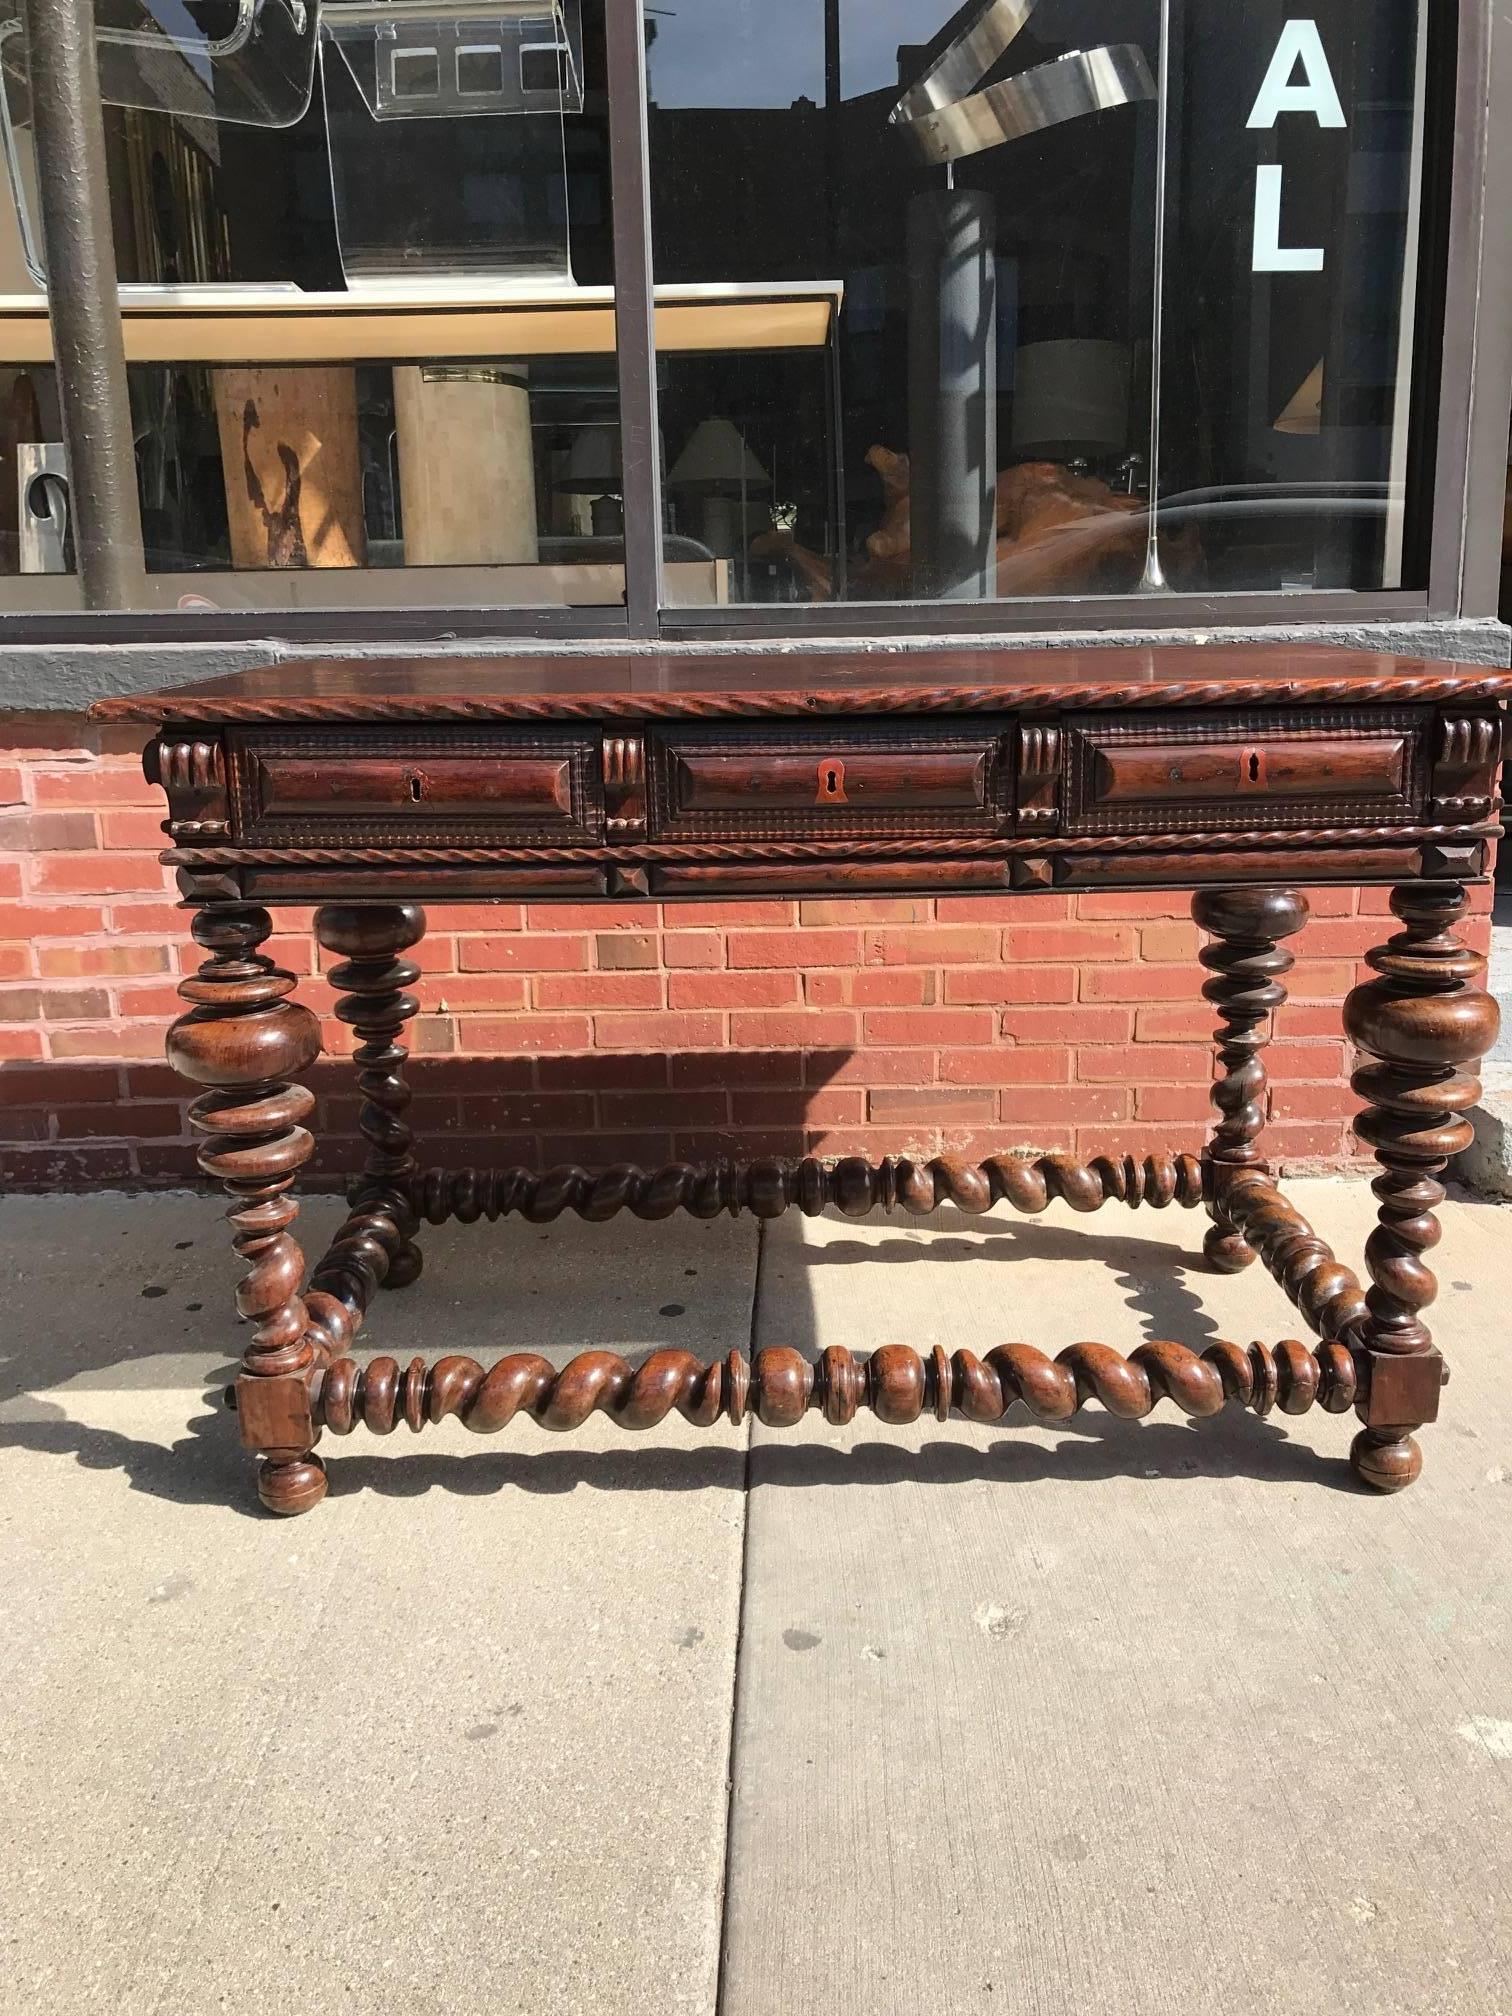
{"x":1201,"y":771}
{"x":800,"y":781}
{"x":439,"y":786}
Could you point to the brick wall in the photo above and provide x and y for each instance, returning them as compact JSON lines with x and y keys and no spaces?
{"x":600,"y":1032}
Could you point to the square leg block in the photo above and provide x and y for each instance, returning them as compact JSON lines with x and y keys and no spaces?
{"x":1404,"y":1389}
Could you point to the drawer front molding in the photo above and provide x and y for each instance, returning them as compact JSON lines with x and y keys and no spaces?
{"x":1235,"y":771}
{"x":431,"y":786}
{"x":803,"y":781}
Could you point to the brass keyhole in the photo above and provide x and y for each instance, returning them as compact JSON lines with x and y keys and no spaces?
{"x":832,"y":781}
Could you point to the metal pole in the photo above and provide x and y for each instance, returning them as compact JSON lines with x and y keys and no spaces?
{"x":90,"y":353}
{"x":635,"y":315}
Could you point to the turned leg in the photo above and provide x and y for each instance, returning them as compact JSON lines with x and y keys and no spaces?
{"x":1424,"y":1025}
{"x":371,"y":980}
{"x":246,"y":1041}
{"x":1247,"y":961}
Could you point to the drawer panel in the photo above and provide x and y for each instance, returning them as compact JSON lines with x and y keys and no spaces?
{"x":524,"y":787}
{"x":435,"y":786}
{"x":1307,"y":767}
{"x":802,"y":780}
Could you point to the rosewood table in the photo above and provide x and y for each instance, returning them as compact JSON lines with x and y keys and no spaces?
{"x":368,"y":787}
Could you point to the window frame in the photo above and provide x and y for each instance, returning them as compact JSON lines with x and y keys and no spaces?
{"x":1462,"y":362}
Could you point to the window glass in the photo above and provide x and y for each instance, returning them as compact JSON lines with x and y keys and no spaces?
{"x":1017,"y":327}
{"x":368,"y":303}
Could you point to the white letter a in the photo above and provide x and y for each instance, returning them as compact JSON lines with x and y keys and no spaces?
{"x":1300,"y":43}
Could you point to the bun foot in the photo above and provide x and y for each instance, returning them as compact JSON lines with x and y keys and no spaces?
{"x":1225,"y":1251}
{"x":291,"y":1488}
{"x":1385,"y":1459}
{"x":404,"y":1267}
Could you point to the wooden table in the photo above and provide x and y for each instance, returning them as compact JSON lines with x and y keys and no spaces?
{"x":369,"y":787}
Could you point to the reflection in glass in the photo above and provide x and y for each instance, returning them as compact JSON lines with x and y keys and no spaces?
{"x":980,"y":189}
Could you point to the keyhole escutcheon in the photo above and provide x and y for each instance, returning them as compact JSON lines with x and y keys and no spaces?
{"x":832,"y":781}
{"x":416,"y":785}
{"x":1254,"y":767}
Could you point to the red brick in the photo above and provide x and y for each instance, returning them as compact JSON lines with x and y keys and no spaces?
{"x":82,"y":1123}
{"x":1143,"y":905}
{"x":592,"y":917}
{"x":1051,"y":942}
{"x":674,"y":1032}
{"x":1173,"y":1102}
{"x":1173,"y":1023}
{"x":10,"y":879}
{"x":928,"y":1025}
{"x":875,"y":987}
{"x":797,"y":1029}
{"x":1068,"y":1105}
{"x":729,"y":916}
{"x":1169,"y":941}
{"x":615,"y":951}
{"x":591,"y":1151}
{"x":16,"y":962}
{"x":1331,"y":1101}
{"x":664,"y":1108}
{"x":1309,"y":1018}
{"x":794,"y":948}
{"x":524,"y":1112}
{"x":10,"y":784}
{"x":538,"y":952}
{"x":145,"y":1040}
{"x":931,"y":1106}
{"x":693,"y":948}
{"x":66,"y":962}
{"x":732,"y":990}
{"x":487,"y":917}
{"x":1139,"y":1063}
{"x":1334,"y":902}
{"x":97,"y":874}
{"x":1138,"y":983}
{"x":164,"y":918}
{"x":870,"y":1067}
{"x":1285,"y":1144}
{"x":1006,"y":1064}
{"x":53,"y":1004}
{"x":1003,"y":909}
{"x":711,"y":1146}
{"x":50,"y":920}
{"x":1136,"y":1141}
{"x":812,"y":1106}
{"x":1319,"y":980}
{"x":1347,"y":937}
{"x":96,"y":785}
{"x":598,"y":990}
{"x":619,"y":1073}
{"x":736,"y":1068}
{"x":41,"y":832}
{"x":20,"y":1043}
{"x":932,"y":947}
{"x":1286,"y":1059}
{"x":462,"y":993}
{"x":1073,"y":1024}
{"x":525,"y":1034}
{"x":132,"y":829}
{"x":167,"y":1162}
{"x":849,"y":911}
{"x":1002,"y":986}
{"x":157,"y":1002}
{"x":67,"y":1084}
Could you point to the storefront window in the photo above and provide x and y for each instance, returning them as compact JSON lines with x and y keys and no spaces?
{"x":980,"y":192}
{"x":1013,"y":302}
{"x":368,"y":305}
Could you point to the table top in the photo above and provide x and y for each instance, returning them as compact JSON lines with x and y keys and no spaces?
{"x":793,"y":679}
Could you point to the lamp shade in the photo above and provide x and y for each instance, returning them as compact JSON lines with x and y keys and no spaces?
{"x":593,"y":463}
{"x":1070,"y":395}
{"x":717,"y":459}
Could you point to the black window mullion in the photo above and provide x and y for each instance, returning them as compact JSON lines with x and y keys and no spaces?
{"x":634,"y":314}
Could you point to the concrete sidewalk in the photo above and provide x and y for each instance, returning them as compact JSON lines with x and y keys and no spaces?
{"x":1117,"y":1716}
